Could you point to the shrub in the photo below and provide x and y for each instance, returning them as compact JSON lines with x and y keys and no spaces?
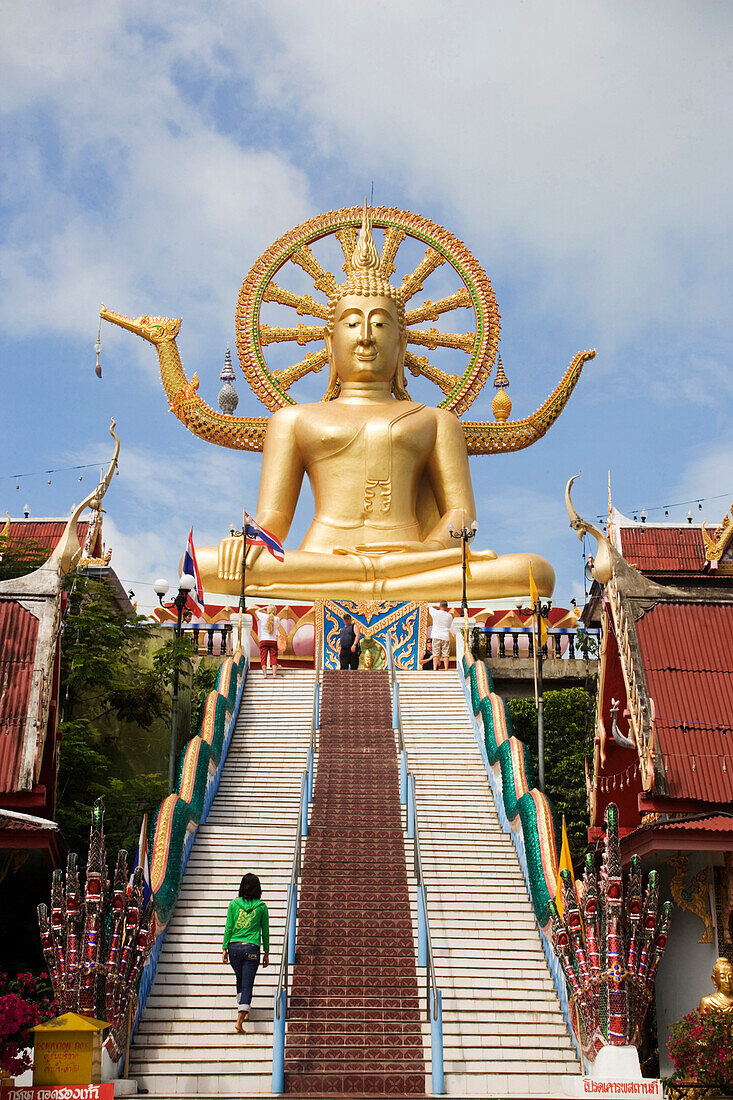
{"x":701,"y":1047}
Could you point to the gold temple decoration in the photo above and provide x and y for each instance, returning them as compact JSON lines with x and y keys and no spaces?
{"x":695,"y":897}
{"x":264,"y":284}
{"x":68,"y":553}
{"x":722,"y":978}
{"x":719,"y":547}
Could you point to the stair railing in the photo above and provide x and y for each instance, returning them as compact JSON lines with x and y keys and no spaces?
{"x":425,"y":948}
{"x":287,"y":958}
{"x":434,"y":998}
{"x":397,"y":723}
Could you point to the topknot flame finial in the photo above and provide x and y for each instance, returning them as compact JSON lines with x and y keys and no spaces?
{"x":365,"y":257}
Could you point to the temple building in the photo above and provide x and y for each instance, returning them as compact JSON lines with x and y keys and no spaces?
{"x":663,"y":749}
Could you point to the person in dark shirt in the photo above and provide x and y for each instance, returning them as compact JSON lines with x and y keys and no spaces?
{"x":349,"y":637}
{"x":427,"y":657}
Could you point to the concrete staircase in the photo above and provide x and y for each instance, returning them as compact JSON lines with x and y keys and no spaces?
{"x":504,"y":1032}
{"x":186,"y":1045}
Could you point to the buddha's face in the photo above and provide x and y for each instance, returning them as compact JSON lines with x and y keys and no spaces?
{"x":723,"y":977}
{"x":367,"y":344}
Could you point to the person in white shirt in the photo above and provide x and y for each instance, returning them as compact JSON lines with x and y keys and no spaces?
{"x":442,"y":623}
{"x":268,"y":628}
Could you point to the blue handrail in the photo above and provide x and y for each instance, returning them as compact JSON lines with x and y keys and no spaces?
{"x":287,"y":959}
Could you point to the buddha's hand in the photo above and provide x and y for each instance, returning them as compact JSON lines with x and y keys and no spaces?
{"x":230,"y":559}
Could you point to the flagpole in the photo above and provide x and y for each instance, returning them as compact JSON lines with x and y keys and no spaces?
{"x":242,"y":595}
{"x":540,"y":700}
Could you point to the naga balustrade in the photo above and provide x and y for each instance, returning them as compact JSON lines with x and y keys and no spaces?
{"x":524,"y":813}
{"x":433,"y":996}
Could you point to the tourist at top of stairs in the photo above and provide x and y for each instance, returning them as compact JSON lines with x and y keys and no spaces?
{"x":350,"y":645}
{"x":248,"y":924}
{"x":427,"y":661}
{"x":269,"y":630}
{"x":442,"y":623}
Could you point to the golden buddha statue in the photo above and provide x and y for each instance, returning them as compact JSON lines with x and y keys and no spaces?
{"x":722,"y":999}
{"x":389,"y":476}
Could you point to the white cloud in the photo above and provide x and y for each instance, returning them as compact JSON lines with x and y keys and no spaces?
{"x":119,"y":190}
{"x":587,"y":137}
{"x":709,"y":474}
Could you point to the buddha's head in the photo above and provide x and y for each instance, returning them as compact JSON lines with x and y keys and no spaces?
{"x":366,"y":335}
{"x":723,"y":976}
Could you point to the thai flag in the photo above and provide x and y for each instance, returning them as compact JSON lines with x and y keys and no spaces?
{"x":190,"y":565}
{"x":258,"y":536}
{"x":141,"y":860}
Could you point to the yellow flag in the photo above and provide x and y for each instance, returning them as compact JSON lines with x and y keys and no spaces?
{"x":468,"y":561}
{"x":533,"y":593}
{"x":565,"y":864}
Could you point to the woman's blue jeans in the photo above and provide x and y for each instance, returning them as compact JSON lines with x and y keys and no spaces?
{"x":244,"y":959}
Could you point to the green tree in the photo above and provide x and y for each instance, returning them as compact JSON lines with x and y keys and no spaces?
{"x":20,"y":556}
{"x":107,"y":680}
{"x":568,"y":741}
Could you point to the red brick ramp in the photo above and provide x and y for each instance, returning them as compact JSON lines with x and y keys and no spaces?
{"x":354,"y":1014}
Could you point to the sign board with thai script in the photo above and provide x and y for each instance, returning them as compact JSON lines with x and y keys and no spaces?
{"x":611,"y":1089}
{"x":59,"y":1092}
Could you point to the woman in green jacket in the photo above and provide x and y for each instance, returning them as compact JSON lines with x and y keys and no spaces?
{"x":248,"y":922}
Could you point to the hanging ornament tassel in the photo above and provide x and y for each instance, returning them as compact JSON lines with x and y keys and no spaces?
{"x":98,"y":348}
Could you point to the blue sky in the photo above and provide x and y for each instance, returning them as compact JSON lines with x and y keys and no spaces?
{"x":581,"y":150}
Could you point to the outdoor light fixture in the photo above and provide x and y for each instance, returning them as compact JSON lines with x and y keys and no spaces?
{"x":465,"y":535}
{"x":160,"y":587}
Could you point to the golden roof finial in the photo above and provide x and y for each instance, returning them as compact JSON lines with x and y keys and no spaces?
{"x":501,"y":406}
{"x":365,"y":256}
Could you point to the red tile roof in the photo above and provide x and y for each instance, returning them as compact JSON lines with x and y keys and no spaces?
{"x":47,"y":532}
{"x":687,"y":651}
{"x":18,"y":636}
{"x":663,"y":549}
{"x":715,"y":823}
{"x":26,"y":823}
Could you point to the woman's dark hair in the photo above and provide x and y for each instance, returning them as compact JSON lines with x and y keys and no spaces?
{"x":249,"y":888}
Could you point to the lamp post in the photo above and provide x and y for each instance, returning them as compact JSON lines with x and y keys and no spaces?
{"x":185,"y":585}
{"x":465,"y":535}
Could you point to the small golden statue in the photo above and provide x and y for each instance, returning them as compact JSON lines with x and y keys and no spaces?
{"x":722,"y":999}
{"x":389,"y":475}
